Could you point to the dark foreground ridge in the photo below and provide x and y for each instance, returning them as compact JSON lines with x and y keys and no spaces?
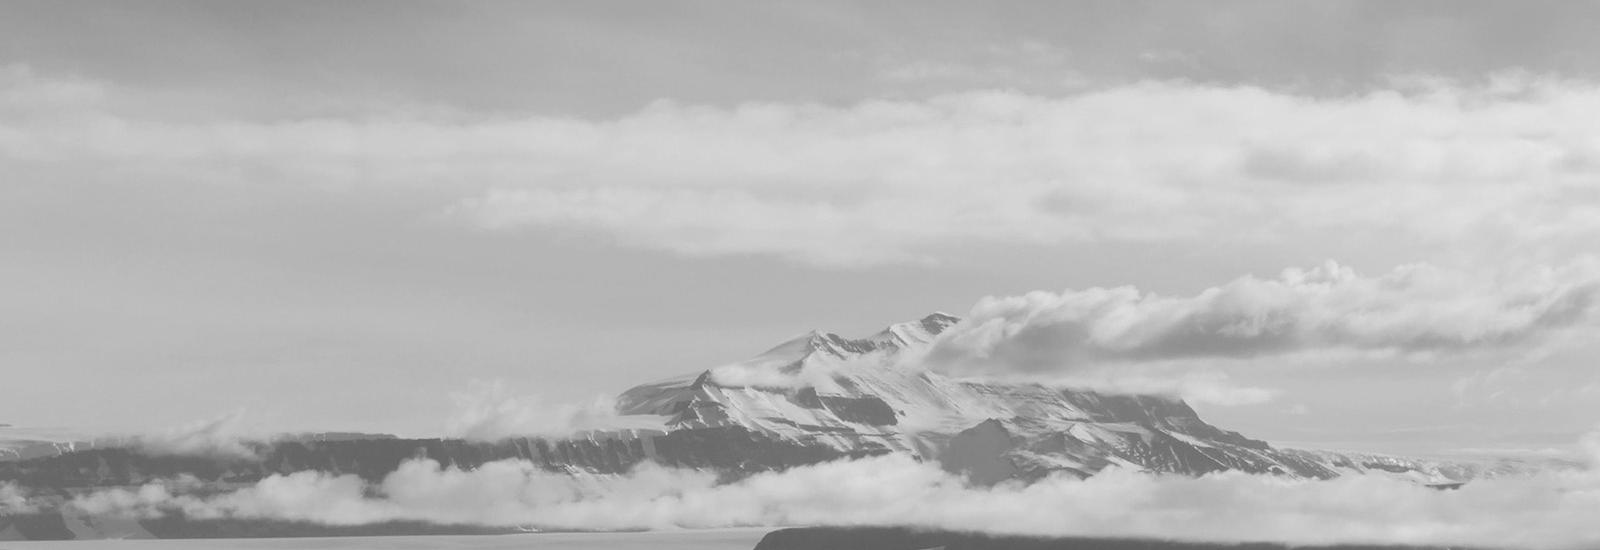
{"x":899,"y":538}
{"x":53,"y":526}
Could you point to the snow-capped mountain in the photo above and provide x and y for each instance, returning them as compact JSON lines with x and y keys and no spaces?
{"x":815,"y":398}
{"x":869,"y":396}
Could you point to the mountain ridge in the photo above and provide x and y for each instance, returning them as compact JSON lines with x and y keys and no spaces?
{"x":868,"y":395}
{"x":815,"y":397}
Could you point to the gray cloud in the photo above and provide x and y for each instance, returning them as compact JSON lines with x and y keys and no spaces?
{"x":1413,"y":309}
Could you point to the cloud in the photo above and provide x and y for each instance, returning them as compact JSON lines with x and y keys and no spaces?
{"x":220,"y":436}
{"x":489,"y":411}
{"x":1415,"y":308}
{"x":897,"y":182}
{"x":14,"y":500}
{"x":740,"y":375}
{"x":1487,"y":168}
{"x":1193,"y":384}
{"x":1549,"y":510}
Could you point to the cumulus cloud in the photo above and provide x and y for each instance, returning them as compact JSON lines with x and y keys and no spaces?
{"x":1413,"y":309}
{"x":1496,"y":166}
{"x":489,"y":411}
{"x":1549,"y":510}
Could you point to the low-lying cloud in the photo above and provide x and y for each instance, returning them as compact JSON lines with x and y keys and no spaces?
{"x":489,"y":411}
{"x":14,"y":500}
{"x":223,"y":436}
{"x":1414,"y":309}
{"x":1549,"y":510}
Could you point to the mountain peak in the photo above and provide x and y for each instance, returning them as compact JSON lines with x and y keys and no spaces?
{"x":916,"y":333}
{"x":936,"y":322}
{"x":900,"y":336}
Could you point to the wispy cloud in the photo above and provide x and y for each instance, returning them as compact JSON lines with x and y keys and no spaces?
{"x":1193,"y":384}
{"x":1484,"y":168}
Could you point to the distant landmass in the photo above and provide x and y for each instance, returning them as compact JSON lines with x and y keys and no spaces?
{"x":816,"y":398}
{"x":895,"y":538}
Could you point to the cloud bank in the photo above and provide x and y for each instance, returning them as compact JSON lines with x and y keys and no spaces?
{"x":1551,"y":510}
{"x":1498,"y":166}
{"x":1413,"y":309}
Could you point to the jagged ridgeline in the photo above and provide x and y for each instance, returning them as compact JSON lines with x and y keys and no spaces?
{"x":817,"y":398}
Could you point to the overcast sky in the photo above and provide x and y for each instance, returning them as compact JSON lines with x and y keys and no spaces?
{"x":331,"y":215}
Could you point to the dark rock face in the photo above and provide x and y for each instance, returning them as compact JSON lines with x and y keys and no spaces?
{"x":176,"y":526}
{"x":36,"y":526}
{"x":868,"y":410}
{"x":980,"y":453}
{"x":897,"y":538}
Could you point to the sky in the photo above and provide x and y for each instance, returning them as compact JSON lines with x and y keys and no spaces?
{"x":1363,"y":225}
